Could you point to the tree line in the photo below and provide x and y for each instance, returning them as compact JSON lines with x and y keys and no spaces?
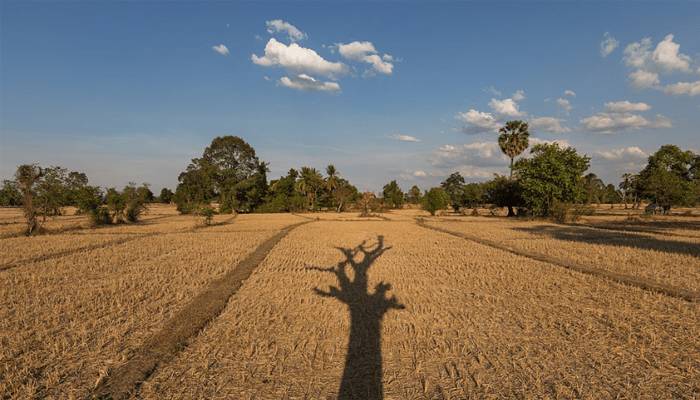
{"x":550,"y":182}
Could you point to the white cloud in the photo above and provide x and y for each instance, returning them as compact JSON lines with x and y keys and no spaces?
{"x":278,"y":25}
{"x":631,"y":153}
{"x":298,"y":59}
{"x":306,"y":82}
{"x":644,"y":79}
{"x":608,"y":45}
{"x":221,"y":49}
{"x":419,"y":174}
{"x":565,"y":104}
{"x":549,"y":124}
{"x":519,"y":95}
{"x":561,"y":142}
{"x":638,"y":54}
{"x":495,"y":92}
{"x":506,"y":107}
{"x":618,"y":122}
{"x":570,"y":93}
{"x":626,"y":106}
{"x":405,"y":138}
{"x":667,"y":57}
{"x":478,"y":121}
{"x":681,"y":88}
{"x":476,"y":153}
{"x":365,"y":52}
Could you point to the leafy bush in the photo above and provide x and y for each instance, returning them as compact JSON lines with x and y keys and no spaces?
{"x":207,"y":213}
{"x":566,"y":213}
{"x":435,"y":199}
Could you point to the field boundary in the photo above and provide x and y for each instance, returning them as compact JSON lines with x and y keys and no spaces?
{"x":130,"y":237}
{"x":633,"y":231}
{"x":126,"y":379}
{"x":638,"y":282}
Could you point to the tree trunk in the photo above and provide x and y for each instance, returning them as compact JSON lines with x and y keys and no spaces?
{"x":511,"y":213}
{"x":511,"y":167}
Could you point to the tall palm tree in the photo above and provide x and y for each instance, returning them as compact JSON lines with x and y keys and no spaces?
{"x":332,"y":181}
{"x":513,"y":140}
{"x":310,"y":181}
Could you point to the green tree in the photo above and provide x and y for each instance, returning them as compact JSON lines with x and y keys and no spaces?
{"x":27,"y":177}
{"x":594,"y":188}
{"x":309,"y":184}
{"x":10,"y":194}
{"x":166,"y":196}
{"x":668,"y":178}
{"x":414,"y":195}
{"x":393,"y":195}
{"x":51,"y":191}
{"x":504,"y":192}
{"x":454,"y":187}
{"x":435,"y":199}
{"x":553,"y":174}
{"x":611,"y":195}
{"x":473,"y":195}
{"x":513,"y":140}
{"x":228,"y":171}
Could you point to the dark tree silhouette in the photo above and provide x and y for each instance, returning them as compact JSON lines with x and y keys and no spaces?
{"x":362,"y":376}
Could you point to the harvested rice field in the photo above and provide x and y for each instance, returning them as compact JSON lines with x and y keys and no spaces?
{"x":399,"y":305}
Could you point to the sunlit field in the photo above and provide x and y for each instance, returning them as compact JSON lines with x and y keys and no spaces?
{"x":400,"y":304}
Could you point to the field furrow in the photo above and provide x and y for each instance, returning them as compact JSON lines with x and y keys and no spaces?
{"x":430,"y":315}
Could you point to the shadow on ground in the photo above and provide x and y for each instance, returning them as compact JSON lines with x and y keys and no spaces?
{"x":613,"y":239}
{"x":362,"y":376}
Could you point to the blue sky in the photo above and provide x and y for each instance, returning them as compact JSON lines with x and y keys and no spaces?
{"x":129,"y":91}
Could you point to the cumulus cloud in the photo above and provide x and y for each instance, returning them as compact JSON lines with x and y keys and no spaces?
{"x":638,"y":54}
{"x":297,"y":59}
{"x":608,"y":45}
{"x":419,"y":174}
{"x":221,"y":49}
{"x":561,"y":142}
{"x":308,"y":83}
{"x":618,"y":122}
{"x":649,"y":64}
{"x":519,"y":95}
{"x":681,"y":88}
{"x":405,"y":138}
{"x":478,"y":121}
{"x":549,"y":124}
{"x":644,"y":79}
{"x":565,"y":104}
{"x":667,"y":56}
{"x":505,"y":107}
{"x":280,"y":26}
{"x":365,"y":52}
{"x":569,"y":93}
{"x":477,"y":153}
{"x":626,"y":106}
{"x":632,"y":153}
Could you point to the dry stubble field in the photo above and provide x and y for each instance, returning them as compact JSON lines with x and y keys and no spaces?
{"x":352,"y":308}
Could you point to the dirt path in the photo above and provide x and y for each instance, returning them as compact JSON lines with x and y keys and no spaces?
{"x":175,"y":335}
{"x":641,"y":283}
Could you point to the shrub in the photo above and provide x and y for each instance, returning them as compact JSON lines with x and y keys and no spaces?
{"x":435,"y":199}
{"x":565,"y":213}
{"x":207,"y":214}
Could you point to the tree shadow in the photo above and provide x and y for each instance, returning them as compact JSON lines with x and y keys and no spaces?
{"x":650,"y":226}
{"x":362,"y":376}
{"x":591,"y":236}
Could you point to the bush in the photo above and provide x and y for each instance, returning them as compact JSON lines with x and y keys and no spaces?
{"x":207,"y":213}
{"x":435,"y":199}
{"x":99,"y":216}
{"x":565,"y":213}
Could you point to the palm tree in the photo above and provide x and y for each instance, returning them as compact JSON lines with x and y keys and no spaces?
{"x":332,"y":182}
{"x":513,"y":140}
{"x":310,"y":181}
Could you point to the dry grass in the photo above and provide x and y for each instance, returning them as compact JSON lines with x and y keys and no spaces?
{"x":468,"y":320}
{"x":65,"y":321}
{"x":478,"y":322}
{"x":668,"y":260}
